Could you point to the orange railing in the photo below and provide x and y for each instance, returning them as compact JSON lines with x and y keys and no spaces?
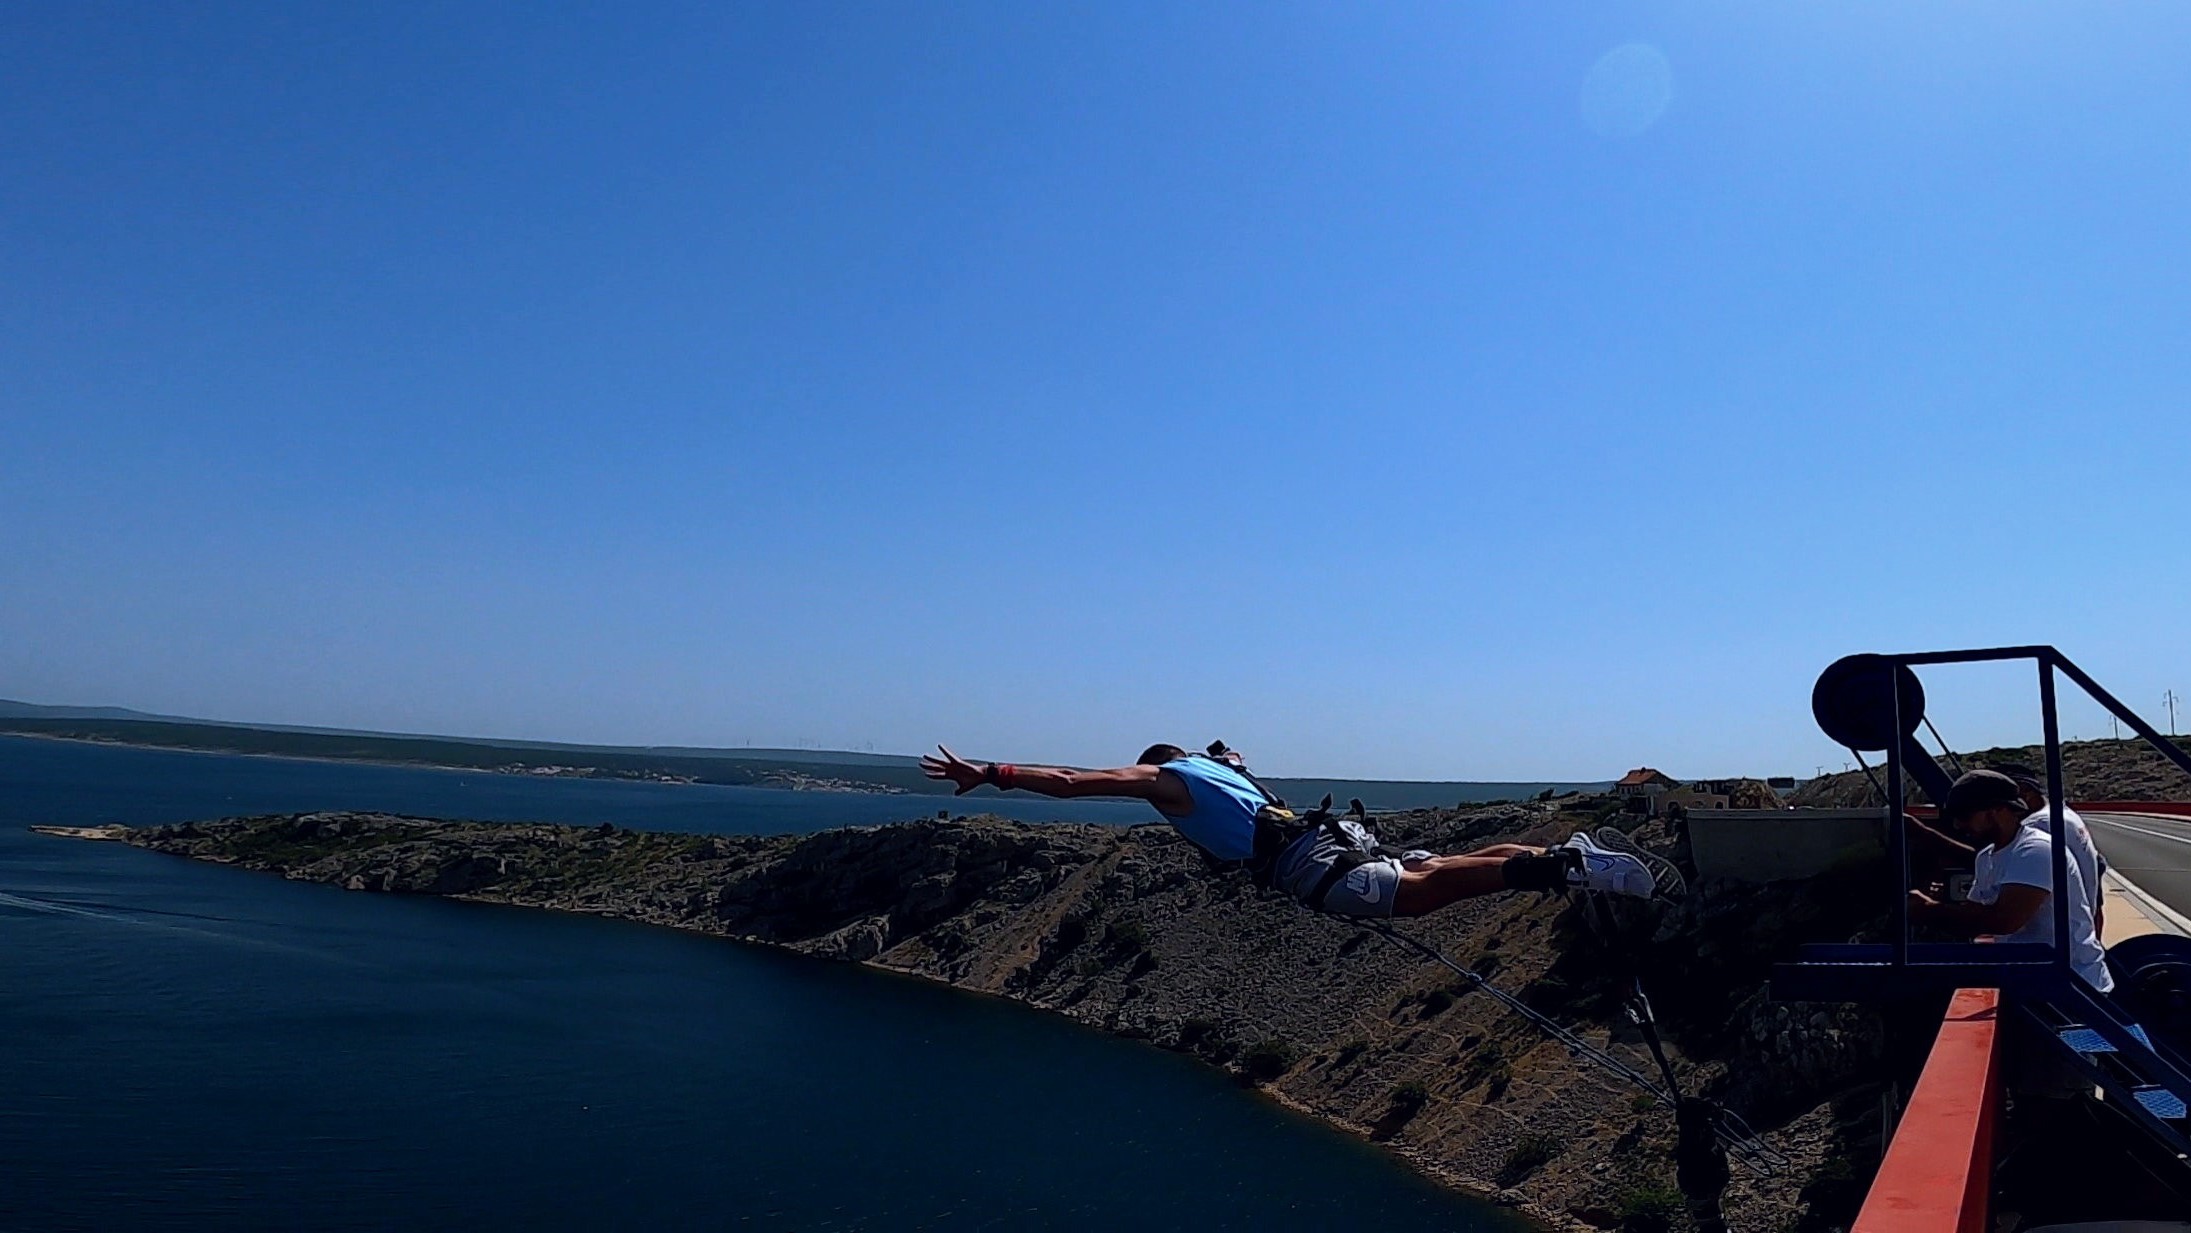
{"x":1938,"y":1173}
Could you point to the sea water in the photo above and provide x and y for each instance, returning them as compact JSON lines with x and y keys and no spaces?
{"x":190,"y":1047}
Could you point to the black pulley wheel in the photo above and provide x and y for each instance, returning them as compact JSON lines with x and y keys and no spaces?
{"x":1853,"y":705}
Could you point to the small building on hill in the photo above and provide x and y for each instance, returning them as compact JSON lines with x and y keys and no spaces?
{"x":1653,"y":792}
{"x":1644,"y":781}
{"x":1721,"y":794}
{"x":1703,"y":794}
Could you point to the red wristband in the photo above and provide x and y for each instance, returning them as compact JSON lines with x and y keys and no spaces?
{"x":1005,"y":771}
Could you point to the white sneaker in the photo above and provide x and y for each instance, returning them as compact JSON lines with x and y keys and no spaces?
{"x":1665,"y":875}
{"x":1613,"y":872}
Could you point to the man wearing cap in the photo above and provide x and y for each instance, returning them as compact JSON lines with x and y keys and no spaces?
{"x":1936,"y":854}
{"x":2011,"y":894}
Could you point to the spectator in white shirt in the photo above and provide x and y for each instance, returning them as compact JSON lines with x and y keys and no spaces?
{"x":2089,"y":861}
{"x":2011,"y":895}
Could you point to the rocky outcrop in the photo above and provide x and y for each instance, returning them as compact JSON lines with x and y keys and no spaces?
{"x":1125,"y":930}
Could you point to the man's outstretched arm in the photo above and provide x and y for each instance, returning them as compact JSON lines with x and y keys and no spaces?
{"x":1140,"y":783}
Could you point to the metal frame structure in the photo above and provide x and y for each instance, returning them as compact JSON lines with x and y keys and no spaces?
{"x":2150,"y":1084}
{"x":1864,"y":973}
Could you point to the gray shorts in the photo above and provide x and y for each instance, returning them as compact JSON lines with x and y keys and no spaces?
{"x":1366,"y":890}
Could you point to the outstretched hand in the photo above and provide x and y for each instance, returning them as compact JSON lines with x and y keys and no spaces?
{"x":966,"y":775}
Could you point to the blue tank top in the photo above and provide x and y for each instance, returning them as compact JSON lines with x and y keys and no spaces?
{"x":1223,"y":821}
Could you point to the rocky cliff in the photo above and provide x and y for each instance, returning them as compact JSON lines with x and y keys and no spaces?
{"x":1125,"y":930}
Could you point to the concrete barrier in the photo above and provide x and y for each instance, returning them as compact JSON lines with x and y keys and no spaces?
{"x":1782,"y":845}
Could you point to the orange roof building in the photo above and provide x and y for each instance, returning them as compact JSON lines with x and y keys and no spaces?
{"x":1644,"y":780}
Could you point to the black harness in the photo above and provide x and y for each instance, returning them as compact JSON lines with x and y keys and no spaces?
{"x":1278,"y":828}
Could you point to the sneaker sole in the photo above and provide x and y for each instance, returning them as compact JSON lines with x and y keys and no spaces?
{"x":1671,"y":885}
{"x":1598,"y":849}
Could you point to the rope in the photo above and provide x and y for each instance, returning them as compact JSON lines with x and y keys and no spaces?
{"x":1551,"y":1027}
{"x":1943,"y":742}
{"x":1876,"y":786}
{"x":1741,"y":1142}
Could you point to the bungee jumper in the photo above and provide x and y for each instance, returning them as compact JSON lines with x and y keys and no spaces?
{"x":1325,"y":861}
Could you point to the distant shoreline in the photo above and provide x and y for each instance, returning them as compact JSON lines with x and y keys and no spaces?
{"x":593,"y":773}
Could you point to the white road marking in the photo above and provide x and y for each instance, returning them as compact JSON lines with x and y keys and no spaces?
{"x":2104,"y":820}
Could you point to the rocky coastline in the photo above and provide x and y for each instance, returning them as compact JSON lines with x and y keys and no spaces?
{"x":1125,"y":930}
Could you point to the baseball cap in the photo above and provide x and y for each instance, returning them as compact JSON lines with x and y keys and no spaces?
{"x":1978,"y":790}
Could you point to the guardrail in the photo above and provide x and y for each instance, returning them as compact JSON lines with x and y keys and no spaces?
{"x":1937,"y":1176}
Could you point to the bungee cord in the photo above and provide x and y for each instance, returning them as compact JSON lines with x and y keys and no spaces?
{"x":1742,"y":1144}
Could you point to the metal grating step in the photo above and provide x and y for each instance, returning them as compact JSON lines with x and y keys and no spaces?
{"x":2161,"y":1103}
{"x":2085,"y":1040}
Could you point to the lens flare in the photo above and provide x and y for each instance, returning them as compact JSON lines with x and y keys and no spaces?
{"x":1627,"y":90}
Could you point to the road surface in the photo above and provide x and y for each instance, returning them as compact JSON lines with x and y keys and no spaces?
{"x":2152,"y":851}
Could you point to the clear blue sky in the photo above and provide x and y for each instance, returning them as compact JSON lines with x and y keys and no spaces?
{"x":1474,"y":391}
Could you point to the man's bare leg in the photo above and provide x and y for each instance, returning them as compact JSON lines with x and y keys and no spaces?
{"x":1427,"y":885}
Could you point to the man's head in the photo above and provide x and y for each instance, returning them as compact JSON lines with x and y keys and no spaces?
{"x":1158,"y":755}
{"x":1986,"y":805}
{"x":2028,"y":782}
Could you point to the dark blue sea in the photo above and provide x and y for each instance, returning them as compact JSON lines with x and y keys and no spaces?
{"x":190,"y":1047}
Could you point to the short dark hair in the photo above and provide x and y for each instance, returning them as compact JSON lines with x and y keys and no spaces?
{"x":1158,"y":755}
